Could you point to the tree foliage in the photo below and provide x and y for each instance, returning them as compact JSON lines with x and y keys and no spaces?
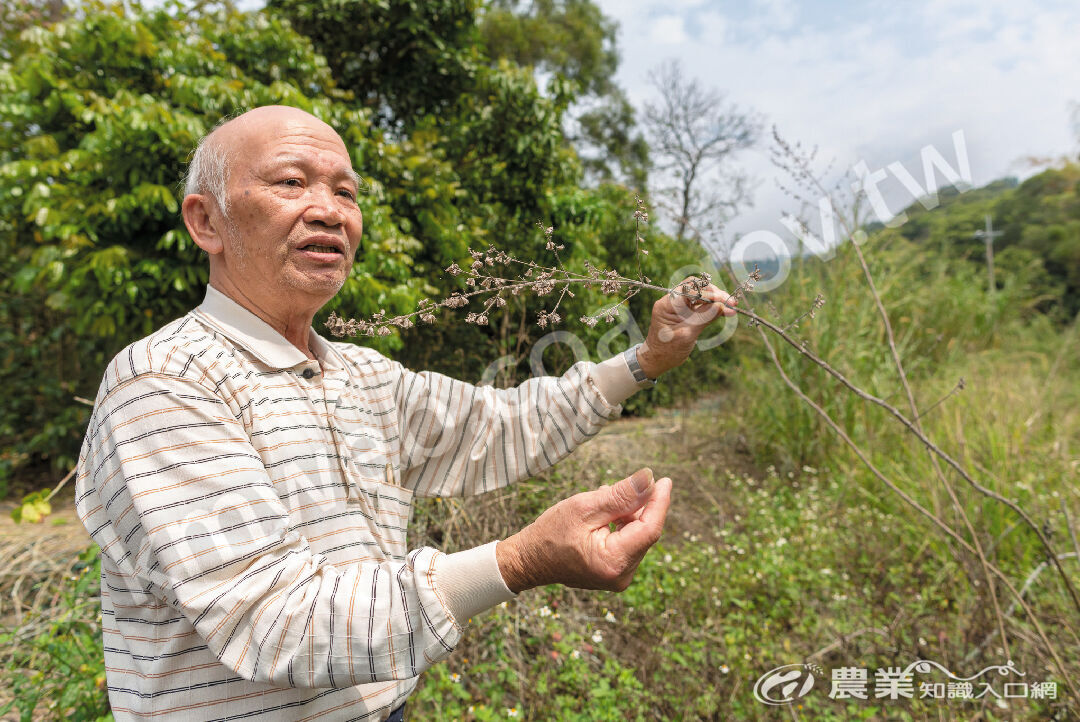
{"x":403,"y":59}
{"x":1040,"y":224}
{"x":99,"y":115}
{"x":504,"y":138}
{"x":101,"y":110}
{"x":572,"y":39}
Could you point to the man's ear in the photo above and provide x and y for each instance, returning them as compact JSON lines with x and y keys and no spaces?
{"x":203,"y":221}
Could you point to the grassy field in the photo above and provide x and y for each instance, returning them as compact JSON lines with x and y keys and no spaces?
{"x":781,"y":548}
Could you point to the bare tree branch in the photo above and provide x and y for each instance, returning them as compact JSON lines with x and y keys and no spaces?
{"x":693,"y":133}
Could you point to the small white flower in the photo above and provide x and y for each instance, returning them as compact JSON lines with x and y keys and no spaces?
{"x":724,"y":669}
{"x":609,"y":618}
{"x":511,"y":712}
{"x":922,"y":642}
{"x":667,"y":559}
{"x":826,"y":571}
{"x":597,"y":637}
{"x":455,"y":678}
{"x":575,"y":654}
{"x":545,"y":611}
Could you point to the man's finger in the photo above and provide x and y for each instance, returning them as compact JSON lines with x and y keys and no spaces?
{"x":611,"y":503}
{"x":719,"y":302}
{"x":631,"y":517}
{"x":695,"y":311}
{"x":637,"y":536}
{"x":724,"y":301}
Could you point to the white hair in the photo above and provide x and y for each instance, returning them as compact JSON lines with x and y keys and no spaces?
{"x":208,"y":172}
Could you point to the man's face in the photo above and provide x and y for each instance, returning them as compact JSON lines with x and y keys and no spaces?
{"x":294,"y":224}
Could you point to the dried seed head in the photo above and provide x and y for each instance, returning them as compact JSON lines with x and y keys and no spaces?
{"x":543,"y":287}
{"x":335,"y":324}
{"x":639,"y":214}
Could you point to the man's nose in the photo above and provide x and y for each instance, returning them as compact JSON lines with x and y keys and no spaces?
{"x":324,"y":207}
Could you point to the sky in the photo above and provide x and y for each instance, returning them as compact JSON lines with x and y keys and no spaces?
{"x":873,"y":81}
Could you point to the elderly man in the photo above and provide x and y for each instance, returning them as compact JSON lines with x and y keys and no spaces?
{"x":250,"y":483}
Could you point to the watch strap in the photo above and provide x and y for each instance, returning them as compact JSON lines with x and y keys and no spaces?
{"x":631,"y":356}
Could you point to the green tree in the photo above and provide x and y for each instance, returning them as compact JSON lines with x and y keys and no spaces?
{"x":402,"y":58}
{"x":574,"y":40}
{"x":99,"y":115}
{"x":571,"y":38}
{"x":502,"y":135}
{"x":1039,"y":220}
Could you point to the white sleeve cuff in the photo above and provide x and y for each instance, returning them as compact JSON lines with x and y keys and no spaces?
{"x":614,"y":380}
{"x":471,"y":582}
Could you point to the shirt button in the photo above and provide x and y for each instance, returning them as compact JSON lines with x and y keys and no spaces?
{"x":308,"y":374}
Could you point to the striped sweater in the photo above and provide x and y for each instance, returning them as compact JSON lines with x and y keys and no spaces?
{"x":251,"y":505}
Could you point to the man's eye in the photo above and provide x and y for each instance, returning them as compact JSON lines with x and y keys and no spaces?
{"x":347,"y":194}
{"x":294,"y":182}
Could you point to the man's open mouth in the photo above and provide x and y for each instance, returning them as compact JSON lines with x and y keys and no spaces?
{"x":317,"y":248}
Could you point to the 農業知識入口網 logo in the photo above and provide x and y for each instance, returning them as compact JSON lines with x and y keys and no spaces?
{"x":785,"y":684}
{"x":790,"y":682}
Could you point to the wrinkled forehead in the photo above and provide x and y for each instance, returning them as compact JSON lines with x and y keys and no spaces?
{"x":256,"y":137}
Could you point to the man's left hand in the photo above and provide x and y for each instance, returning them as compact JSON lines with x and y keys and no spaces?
{"x":677,"y":321}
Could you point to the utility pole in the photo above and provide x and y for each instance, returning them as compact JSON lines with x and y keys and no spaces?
{"x":988,"y":237}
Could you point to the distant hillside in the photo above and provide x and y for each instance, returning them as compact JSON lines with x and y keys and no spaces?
{"x":1039,"y":220}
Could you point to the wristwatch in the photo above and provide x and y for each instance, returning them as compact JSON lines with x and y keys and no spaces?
{"x":643,"y":381}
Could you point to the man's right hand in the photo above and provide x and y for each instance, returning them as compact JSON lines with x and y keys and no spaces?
{"x":571,"y":543}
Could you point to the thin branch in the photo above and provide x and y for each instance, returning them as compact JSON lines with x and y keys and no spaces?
{"x":922,"y":510}
{"x":952,"y":392}
{"x":912,"y":406}
{"x":918,"y":433}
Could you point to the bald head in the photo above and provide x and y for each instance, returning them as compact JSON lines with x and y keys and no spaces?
{"x":211,"y":163}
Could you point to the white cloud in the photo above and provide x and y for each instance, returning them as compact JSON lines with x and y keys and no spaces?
{"x":668,"y":30}
{"x":875,"y":80}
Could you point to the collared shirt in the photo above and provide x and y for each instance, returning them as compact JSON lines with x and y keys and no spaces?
{"x":251,"y":506}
